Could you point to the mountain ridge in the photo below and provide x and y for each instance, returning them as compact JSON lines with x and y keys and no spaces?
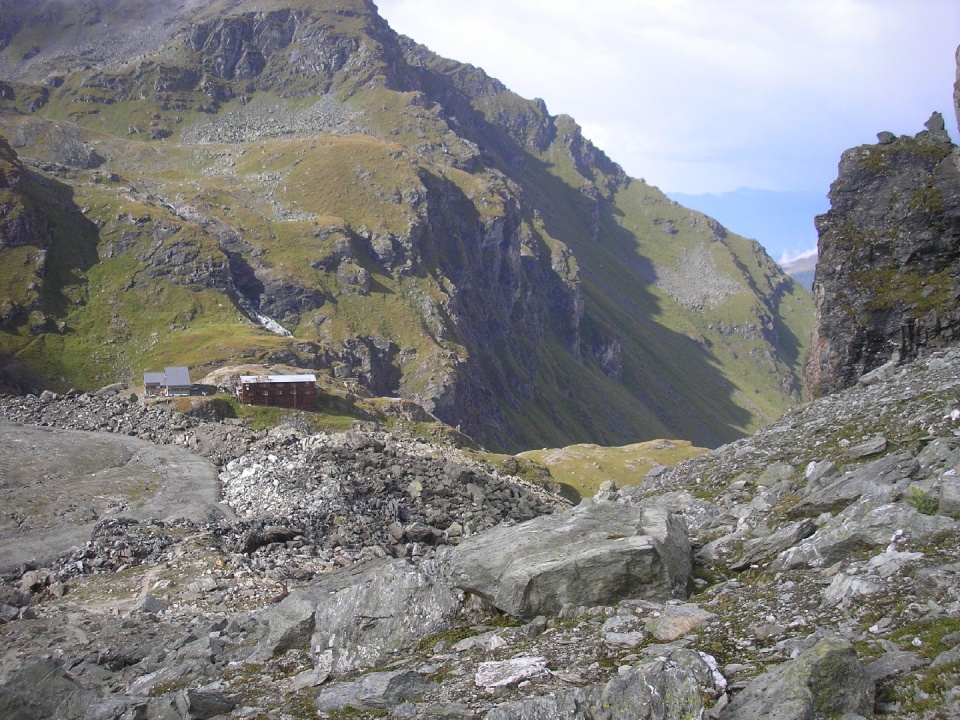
{"x":886,"y":286}
{"x":782,"y":221}
{"x":410,"y":221}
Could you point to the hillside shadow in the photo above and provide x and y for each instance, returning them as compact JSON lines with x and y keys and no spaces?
{"x":678,"y":378}
{"x":73,"y":242}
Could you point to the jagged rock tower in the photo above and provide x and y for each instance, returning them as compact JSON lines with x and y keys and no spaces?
{"x":887,"y":283}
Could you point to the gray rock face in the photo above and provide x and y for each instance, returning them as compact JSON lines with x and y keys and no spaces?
{"x":664,"y":689}
{"x":378,"y":690}
{"x":594,"y":554}
{"x":885,"y":286}
{"x":950,"y":496}
{"x":506,"y":673}
{"x":864,"y":524}
{"x":826,"y":680}
{"x":880,"y":480}
{"x":43,"y":690}
{"x":357,"y":617}
{"x":764,"y":548}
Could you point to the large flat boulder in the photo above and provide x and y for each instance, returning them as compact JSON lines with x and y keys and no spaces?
{"x":594,"y":554}
{"x":356,"y":618}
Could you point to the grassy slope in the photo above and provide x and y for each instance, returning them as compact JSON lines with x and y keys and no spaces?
{"x":586,"y":466}
{"x":698,"y":383}
{"x":120,"y":321}
{"x":331,"y":178}
{"x":682,"y":377}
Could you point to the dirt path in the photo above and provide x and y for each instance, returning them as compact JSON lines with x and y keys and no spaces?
{"x":56,"y":485}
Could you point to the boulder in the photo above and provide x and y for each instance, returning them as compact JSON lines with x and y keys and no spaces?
{"x":594,"y":554}
{"x":862,"y":525}
{"x":43,"y":690}
{"x":932,"y":581}
{"x":203,"y":704}
{"x":938,"y":453}
{"x":675,"y":621}
{"x":826,"y":680}
{"x":378,"y":691}
{"x":891,"y":561}
{"x":762,"y":549}
{"x":878,"y":480}
{"x":507,"y":673}
{"x":775,"y":473}
{"x":845,"y":590}
{"x":570,"y":704}
{"x":664,"y":689}
{"x":624,"y":629}
{"x":360,"y":615}
{"x":893,"y":664}
{"x":950,"y":495}
{"x":873,"y":446}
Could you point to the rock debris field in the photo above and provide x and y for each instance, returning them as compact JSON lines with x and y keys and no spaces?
{"x":807,"y":571}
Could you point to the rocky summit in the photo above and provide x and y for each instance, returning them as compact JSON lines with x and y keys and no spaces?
{"x":806,"y":571}
{"x":209,"y":183}
{"x":886,"y":285}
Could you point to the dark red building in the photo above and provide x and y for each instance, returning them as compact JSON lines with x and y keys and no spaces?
{"x":287,"y":391}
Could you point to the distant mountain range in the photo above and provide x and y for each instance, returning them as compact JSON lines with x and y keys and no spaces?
{"x":802,"y":269}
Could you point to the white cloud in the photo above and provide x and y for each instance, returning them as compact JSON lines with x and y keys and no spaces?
{"x":710,"y":95}
{"x":788,"y":257}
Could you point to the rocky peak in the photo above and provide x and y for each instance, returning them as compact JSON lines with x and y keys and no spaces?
{"x":888,"y":281}
{"x":239,"y":47}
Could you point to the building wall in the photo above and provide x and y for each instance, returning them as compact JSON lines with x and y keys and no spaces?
{"x":285,"y":395}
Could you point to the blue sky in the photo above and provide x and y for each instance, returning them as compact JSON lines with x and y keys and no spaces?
{"x":707,"y":96}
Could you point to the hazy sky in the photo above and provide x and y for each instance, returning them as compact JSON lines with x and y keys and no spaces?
{"x":711,"y":95}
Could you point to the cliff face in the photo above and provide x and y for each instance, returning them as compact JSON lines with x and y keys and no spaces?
{"x":291,"y":181}
{"x":888,"y":278}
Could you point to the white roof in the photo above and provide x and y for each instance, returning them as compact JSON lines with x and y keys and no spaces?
{"x":278,"y":378}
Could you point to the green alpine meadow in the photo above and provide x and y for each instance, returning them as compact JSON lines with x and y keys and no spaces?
{"x":291,"y":183}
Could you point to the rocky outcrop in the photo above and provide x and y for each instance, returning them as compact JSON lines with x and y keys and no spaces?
{"x":825,"y":580}
{"x":826,"y":680}
{"x":20,"y":223}
{"x":239,"y":47}
{"x":44,"y":689}
{"x":64,"y":144}
{"x":358,"y":619}
{"x":667,"y":688}
{"x":887,"y":283}
{"x":595,"y":554}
